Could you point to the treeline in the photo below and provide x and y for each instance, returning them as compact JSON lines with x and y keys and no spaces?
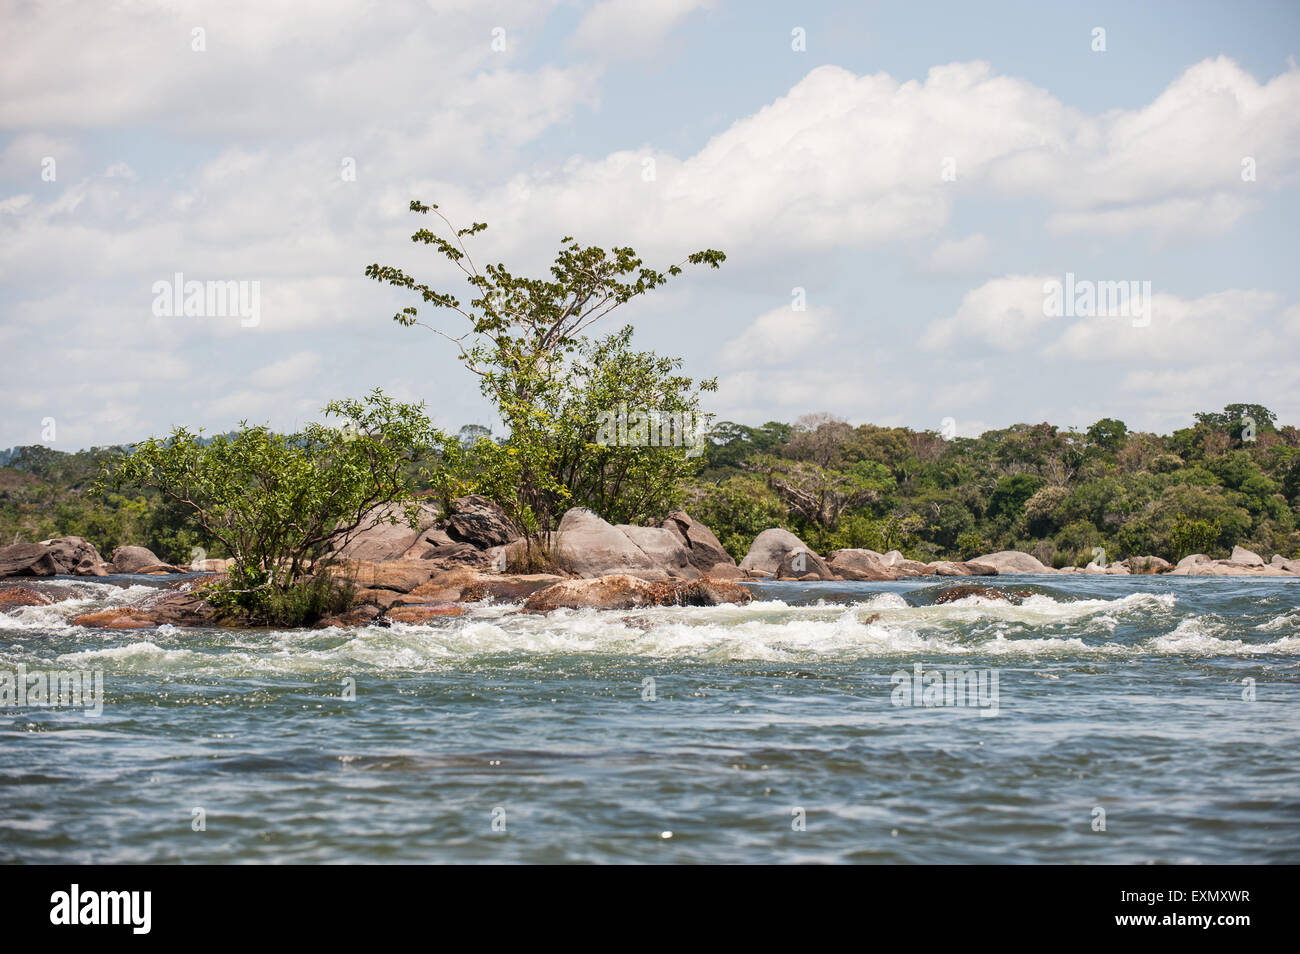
{"x":1060,"y":494}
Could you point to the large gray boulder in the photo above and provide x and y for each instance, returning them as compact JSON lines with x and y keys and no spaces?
{"x":588,"y":546}
{"x":477,"y":520}
{"x":27,"y":559}
{"x":961,"y":568}
{"x":665,"y":549}
{"x":1189,"y":564}
{"x":1012,"y":561}
{"x":625,"y":592}
{"x":704,"y":549}
{"x":858,"y":564}
{"x":139,"y":560}
{"x":380,"y":539}
{"x":1245,"y":557}
{"x":1148,"y":565}
{"x":785,"y":556}
{"x":76,"y":555}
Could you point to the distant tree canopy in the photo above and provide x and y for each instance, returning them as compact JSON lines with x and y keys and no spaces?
{"x":1032,"y":487}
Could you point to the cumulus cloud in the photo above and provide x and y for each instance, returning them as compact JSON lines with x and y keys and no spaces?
{"x":240,"y":179}
{"x":960,"y":256}
{"x":780,"y":336}
{"x":631,"y":27}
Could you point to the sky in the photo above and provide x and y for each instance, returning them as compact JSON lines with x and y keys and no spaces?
{"x":896,"y":187}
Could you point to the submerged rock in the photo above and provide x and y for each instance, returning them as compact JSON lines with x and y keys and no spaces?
{"x":13,"y":597}
{"x":954,"y":593}
{"x":357,"y":616}
{"x":623,"y":591}
{"x":120,"y":617}
{"x":421,"y":612}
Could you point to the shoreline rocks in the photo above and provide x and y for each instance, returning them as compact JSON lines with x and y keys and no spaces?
{"x":622,"y":591}
{"x":783,"y":555}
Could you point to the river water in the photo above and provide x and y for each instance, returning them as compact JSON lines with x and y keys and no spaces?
{"x":1104,"y":720}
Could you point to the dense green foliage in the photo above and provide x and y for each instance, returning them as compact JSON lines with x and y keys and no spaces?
{"x":523,"y":338}
{"x":1059,"y":494}
{"x":278,"y":504}
{"x":1056,"y":494}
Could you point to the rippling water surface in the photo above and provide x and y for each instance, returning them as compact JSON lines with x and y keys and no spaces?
{"x":763,"y":733}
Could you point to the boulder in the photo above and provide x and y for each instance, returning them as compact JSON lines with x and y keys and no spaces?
{"x":357,"y":616}
{"x":867,"y":565}
{"x":478,"y":521}
{"x":27,"y":559}
{"x":665,"y":549}
{"x":121,"y":617}
{"x":785,"y":556}
{"x":76,"y":555}
{"x":589,"y":547}
{"x":952,"y":593}
{"x":1278,"y":559}
{"x":1245,"y":557}
{"x":623,"y":591}
{"x":139,"y":560}
{"x":13,"y":597}
{"x":421,"y":613}
{"x":1148,"y":564}
{"x":1189,"y":563}
{"x":401,"y":576}
{"x":701,"y":544}
{"x":179,"y":608}
{"x":962,"y":568}
{"x":1012,"y":561}
{"x":380,"y":599}
{"x":386,"y":534}
{"x":724,"y":571}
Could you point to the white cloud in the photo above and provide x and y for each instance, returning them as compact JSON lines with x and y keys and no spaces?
{"x":960,"y":256}
{"x":287,"y":371}
{"x":780,"y":336}
{"x":1005,"y":313}
{"x":631,"y":27}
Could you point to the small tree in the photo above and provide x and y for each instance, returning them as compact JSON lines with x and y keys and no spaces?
{"x":281,"y":504}
{"x":517,"y":337}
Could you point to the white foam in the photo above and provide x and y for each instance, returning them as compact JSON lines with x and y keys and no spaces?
{"x":882,"y":625}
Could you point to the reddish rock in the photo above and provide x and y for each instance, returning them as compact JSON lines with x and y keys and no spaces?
{"x":357,"y":616}
{"x":121,"y":617}
{"x":421,"y":612}
{"x":14,"y":597}
{"x":621,"y":592}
